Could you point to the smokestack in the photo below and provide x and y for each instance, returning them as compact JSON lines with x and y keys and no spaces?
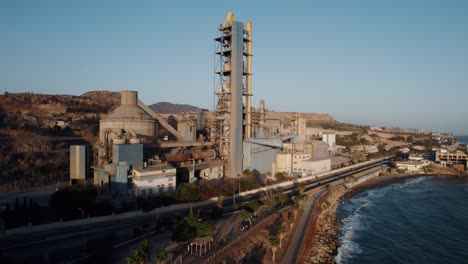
{"x":262,"y":112}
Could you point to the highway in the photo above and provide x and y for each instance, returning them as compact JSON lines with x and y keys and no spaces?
{"x":62,"y":245}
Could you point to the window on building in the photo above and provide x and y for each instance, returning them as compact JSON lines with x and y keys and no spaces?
{"x":150,"y":191}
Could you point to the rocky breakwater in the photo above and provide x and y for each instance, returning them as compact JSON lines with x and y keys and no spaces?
{"x":326,"y":240}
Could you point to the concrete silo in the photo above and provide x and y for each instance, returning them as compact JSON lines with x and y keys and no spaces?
{"x":129,"y":117}
{"x":127,"y":124}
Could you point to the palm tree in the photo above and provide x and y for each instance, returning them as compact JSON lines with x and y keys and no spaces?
{"x":281,"y":237}
{"x":274,"y":241}
{"x":280,"y":231}
{"x":246,"y":216}
{"x":141,"y":255}
{"x":161,"y":256}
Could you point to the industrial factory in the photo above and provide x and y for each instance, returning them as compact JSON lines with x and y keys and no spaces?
{"x":132,"y":157}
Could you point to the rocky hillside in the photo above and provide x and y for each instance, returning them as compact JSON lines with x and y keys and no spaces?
{"x":41,"y":113}
{"x":36,"y":131}
{"x":170,"y":108}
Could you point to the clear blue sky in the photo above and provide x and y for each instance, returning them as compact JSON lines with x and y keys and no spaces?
{"x":395,"y":63}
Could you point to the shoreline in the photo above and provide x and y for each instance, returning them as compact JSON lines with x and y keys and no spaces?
{"x":315,"y":253}
{"x":382,"y":181}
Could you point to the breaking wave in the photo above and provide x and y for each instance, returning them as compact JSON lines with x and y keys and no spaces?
{"x":421,"y":220}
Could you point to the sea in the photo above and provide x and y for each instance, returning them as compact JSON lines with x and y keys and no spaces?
{"x":462,"y":139}
{"x":420,"y":220}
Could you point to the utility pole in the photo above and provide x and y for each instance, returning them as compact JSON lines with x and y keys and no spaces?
{"x":239,"y":177}
{"x":233,"y":197}
{"x":136,"y":201}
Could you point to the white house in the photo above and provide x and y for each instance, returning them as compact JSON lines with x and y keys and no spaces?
{"x":412,"y":166}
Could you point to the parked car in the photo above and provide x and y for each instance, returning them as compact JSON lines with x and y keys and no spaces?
{"x":245,"y":225}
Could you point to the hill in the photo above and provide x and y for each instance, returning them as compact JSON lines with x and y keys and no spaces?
{"x":170,"y":108}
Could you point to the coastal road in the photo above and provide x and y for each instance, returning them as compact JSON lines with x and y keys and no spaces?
{"x":60,"y":244}
{"x":294,"y":245}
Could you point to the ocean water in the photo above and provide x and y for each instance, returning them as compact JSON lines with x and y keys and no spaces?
{"x":462,"y":139}
{"x":421,"y":220}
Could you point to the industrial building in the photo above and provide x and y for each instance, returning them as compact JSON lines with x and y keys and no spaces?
{"x":140,"y":152}
{"x":329,"y":137}
{"x":301,"y":160}
{"x":445,"y":157}
{"x":154,"y":180}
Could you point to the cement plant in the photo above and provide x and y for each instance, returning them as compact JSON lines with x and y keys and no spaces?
{"x":239,"y":183}
{"x":235,"y":137}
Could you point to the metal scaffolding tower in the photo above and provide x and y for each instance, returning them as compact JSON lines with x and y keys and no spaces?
{"x":232,"y":52}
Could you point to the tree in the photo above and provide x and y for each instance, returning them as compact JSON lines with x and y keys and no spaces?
{"x":281,"y":234}
{"x":281,"y":176}
{"x":161,"y":256}
{"x":268,"y":198}
{"x":188,"y":192}
{"x":300,"y":188}
{"x":274,"y":241}
{"x":246,"y":216}
{"x":247,"y":172}
{"x":68,"y":199}
{"x":189,"y":228}
{"x":141,"y":255}
{"x":252,"y":207}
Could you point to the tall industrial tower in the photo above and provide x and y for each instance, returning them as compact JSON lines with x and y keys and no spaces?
{"x":233,"y":71}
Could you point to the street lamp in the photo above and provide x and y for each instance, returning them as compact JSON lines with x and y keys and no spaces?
{"x":136,"y":190}
{"x":84,"y":230}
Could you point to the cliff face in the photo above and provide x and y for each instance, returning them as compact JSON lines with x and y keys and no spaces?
{"x":327,"y":231}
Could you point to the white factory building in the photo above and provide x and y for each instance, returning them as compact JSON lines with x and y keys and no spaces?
{"x":329,"y":137}
{"x":303,"y":159}
{"x":154,"y":180}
